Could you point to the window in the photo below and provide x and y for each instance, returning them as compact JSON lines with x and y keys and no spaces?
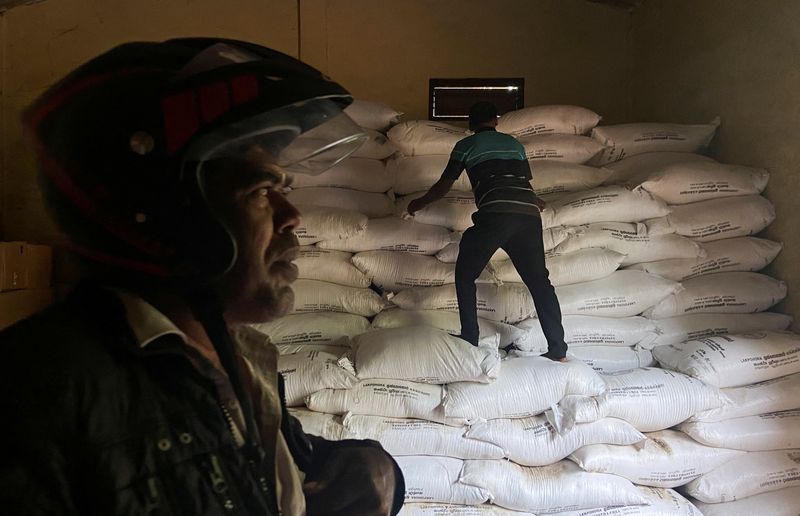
{"x":450,"y":99}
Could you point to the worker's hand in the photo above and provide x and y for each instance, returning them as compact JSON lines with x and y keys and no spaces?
{"x":352,"y":480}
{"x":415,"y":205}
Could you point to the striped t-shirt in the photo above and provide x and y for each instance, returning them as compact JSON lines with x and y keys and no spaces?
{"x":498,"y":171}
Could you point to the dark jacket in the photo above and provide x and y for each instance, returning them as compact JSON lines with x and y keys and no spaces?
{"x":98,"y":426}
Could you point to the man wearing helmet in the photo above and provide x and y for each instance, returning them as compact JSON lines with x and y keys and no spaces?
{"x":145,"y":392}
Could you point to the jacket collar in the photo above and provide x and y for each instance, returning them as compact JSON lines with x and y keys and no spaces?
{"x":147,"y":323}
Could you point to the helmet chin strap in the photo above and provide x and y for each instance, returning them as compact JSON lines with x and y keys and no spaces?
{"x":207,"y":307}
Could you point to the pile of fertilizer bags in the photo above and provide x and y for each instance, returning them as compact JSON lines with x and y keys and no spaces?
{"x":682,"y":393}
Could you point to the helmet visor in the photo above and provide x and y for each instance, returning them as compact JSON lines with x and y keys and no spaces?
{"x":307,"y":137}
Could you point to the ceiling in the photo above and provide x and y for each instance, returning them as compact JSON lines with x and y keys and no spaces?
{"x":621,"y":4}
{"x":630,"y":5}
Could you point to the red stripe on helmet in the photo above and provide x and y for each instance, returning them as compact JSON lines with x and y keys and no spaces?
{"x":181,"y":120}
{"x":244,"y":88}
{"x":152,"y":269}
{"x":59,"y":97}
{"x":214,"y":100}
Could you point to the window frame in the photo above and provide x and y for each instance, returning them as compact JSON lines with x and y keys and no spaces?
{"x":477,"y":83}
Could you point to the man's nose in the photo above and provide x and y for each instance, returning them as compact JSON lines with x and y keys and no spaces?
{"x":286,"y":217}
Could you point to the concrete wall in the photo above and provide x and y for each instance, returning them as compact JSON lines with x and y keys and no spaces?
{"x":739,"y":59}
{"x":569,"y":51}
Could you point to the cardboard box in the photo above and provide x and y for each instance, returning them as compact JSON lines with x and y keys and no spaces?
{"x":12,"y":266}
{"x":25,"y":266}
{"x":19,"y":304}
{"x":40,"y":265}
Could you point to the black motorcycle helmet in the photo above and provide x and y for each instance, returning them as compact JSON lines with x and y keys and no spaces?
{"x":121,"y":143}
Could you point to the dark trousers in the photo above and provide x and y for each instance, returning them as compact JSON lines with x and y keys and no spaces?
{"x":521,"y":237}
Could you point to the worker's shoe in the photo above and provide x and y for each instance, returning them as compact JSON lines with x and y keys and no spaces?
{"x":553,"y":357}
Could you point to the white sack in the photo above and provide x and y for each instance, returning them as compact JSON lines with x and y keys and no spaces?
{"x":394,"y":271}
{"x":332,"y":349}
{"x":447,"y":321}
{"x":726,"y":255}
{"x":373,"y":205}
{"x":547,"y":489}
{"x":453,"y":211}
{"x":567,"y":268}
{"x":622,"y":294}
{"x":722,"y":293}
{"x":734,"y":360}
{"x":632,"y":240}
{"x":748,"y":475}
{"x":327,"y":426}
{"x":418,"y":173}
{"x":666,"y":459}
{"x":533,"y":441}
{"x":389,"y":398}
{"x":311,"y":371}
{"x":601,"y":204}
{"x":441,"y":509}
{"x":321,"y":223}
{"x":560,"y":147}
{"x":509,"y":303}
{"x":758,"y":398}
{"x":625,"y":140}
{"x":377,"y":146}
{"x":674,"y":330}
{"x":662,"y":502}
{"x":423,"y":354}
{"x":650,"y":399}
{"x":418,"y":137}
{"x":393,"y":234}
{"x":716,"y":219}
{"x":436,"y":479}
{"x":363,"y":174}
{"x":372,"y":114}
{"x":772,"y":431}
{"x":321,"y":296}
{"x":551,"y":177}
{"x":587,"y":330}
{"x":526,"y":386}
{"x":401,"y":437}
{"x":612,"y":359}
{"x":328,"y":265}
{"x":678,"y":184}
{"x":313,"y":328}
{"x":548,"y":119}
{"x":783,"y":502}
{"x":551,"y":237}
{"x":633,"y":170}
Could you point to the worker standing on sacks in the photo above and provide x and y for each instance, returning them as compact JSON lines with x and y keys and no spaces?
{"x":508,"y":217}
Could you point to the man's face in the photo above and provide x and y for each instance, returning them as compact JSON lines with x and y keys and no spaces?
{"x":249,"y":199}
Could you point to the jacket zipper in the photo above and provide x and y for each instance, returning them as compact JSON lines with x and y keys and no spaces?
{"x":218,"y":484}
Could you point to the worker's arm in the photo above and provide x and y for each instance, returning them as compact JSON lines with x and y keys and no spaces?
{"x":529,"y":175}
{"x":436,"y":192}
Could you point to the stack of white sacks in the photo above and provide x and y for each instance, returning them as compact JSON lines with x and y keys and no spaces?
{"x":646,"y":252}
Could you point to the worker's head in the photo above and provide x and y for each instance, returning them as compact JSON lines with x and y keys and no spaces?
{"x":482,"y":114}
{"x":168,"y":160}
